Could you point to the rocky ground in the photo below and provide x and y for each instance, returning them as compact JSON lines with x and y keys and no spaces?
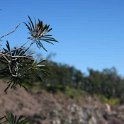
{"x":42,"y":107}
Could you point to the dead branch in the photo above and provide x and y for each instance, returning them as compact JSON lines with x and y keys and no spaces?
{"x":10,"y":32}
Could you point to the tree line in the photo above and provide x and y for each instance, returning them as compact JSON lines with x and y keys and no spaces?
{"x":106,"y":82}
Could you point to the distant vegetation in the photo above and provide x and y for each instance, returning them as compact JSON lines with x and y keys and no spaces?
{"x":106,"y":82}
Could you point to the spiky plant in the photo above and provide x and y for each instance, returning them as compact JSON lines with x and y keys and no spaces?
{"x":39,"y":32}
{"x":9,"y":118}
{"x":21,"y":68}
{"x":18,"y":66}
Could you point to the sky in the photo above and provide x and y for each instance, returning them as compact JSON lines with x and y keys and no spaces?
{"x":90,"y":32}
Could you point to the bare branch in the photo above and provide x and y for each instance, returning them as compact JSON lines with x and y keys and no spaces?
{"x":4,"y":55}
{"x":10,"y":32}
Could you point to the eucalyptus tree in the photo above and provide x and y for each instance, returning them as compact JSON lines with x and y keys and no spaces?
{"x":18,"y":65}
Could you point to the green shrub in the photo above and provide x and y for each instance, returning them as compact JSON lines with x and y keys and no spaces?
{"x":110,"y":101}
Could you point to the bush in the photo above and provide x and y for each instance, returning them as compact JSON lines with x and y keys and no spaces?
{"x":110,"y":101}
{"x":19,"y":66}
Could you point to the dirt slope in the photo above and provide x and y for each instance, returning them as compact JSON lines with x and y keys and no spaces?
{"x":45,"y":108}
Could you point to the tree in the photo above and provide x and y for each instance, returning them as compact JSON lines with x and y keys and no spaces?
{"x":18,"y":65}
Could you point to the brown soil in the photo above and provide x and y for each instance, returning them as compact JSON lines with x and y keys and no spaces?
{"x":43,"y":107}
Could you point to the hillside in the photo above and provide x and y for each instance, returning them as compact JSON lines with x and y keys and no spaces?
{"x":42,"y":107}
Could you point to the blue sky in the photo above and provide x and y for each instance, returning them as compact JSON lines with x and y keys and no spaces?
{"x":90,"y":32}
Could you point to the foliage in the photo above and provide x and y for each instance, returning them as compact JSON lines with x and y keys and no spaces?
{"x":110,"y":101}
{"x":38,"y":33}
{"x":74,"y":93}
{"x":107,"y":82}
{"x":9,"y":118}
{"x":21,"y":68}
{"x":17,"y":65}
